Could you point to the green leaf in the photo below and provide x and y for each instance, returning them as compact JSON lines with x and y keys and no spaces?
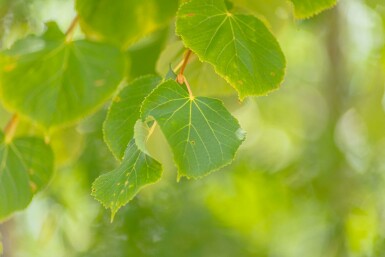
{"x":307,"y":8}
{"x":123,"y":22}
{"x":55,"y":82}
{"x":240,"y":47}
{"x":124,"y":112}
{"x":26,"y":166}
{"x":202,"y":134}
{"x":116,"y":188}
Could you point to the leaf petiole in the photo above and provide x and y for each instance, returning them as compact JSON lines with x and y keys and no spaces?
{"x":185,"y":61}
{"x":181,"y":79}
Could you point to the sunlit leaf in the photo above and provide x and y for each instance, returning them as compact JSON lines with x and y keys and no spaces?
{"x":308,"y":8}
{"x":202,"y":134}
{"x":116,"y":188}
{"x":55,"y":82}
{"x":240,"y":47}
{"x":26,"y":166}
{"x":124,"y":112}
{"x":123,"y":22}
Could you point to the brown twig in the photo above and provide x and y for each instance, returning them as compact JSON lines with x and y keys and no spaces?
{"x":10,"y":128}
{"x":70,"y":31}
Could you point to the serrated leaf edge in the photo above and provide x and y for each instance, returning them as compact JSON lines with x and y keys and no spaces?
{"x":241,"y":96}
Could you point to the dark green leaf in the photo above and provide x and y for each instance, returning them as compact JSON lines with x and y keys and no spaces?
{"x":124,"y":112}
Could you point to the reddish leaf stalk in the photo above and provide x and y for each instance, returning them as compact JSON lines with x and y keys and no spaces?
{"x":181,"y":79}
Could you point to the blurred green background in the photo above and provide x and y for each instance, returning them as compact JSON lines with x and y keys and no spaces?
{"x":308,"y":181}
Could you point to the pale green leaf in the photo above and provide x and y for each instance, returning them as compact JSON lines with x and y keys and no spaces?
{"x":307,"y":8}
{"x":26,"y":166}
{"x":124,"y":112}
{"x":202,"y":134}
{"x":240,"y":47}
{"x":116,"y":188}
{"x":202,"y":77}
{"x":55,"y":82}
{"x":275,"y":12}
{"x":123,"y":22}
{"x":144,"y":53}
{"x":142,"y":132}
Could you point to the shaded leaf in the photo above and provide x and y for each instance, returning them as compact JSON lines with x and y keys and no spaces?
{"x":144,"y":53}
{"x":240,"y":47}
{"x":55,"y":82}
{"x":124,"y":112}
{"x":26,"y":166}
{"x":123,"y":22}
{"x":202,"y":134}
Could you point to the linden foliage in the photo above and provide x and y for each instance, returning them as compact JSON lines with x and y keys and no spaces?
{"x":54,"y":81}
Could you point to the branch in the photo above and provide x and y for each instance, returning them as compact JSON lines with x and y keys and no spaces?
{"x":69,"y":33}
{"x":10,"y":128}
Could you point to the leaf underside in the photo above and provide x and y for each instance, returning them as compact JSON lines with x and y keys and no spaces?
{"x":307,"y":8}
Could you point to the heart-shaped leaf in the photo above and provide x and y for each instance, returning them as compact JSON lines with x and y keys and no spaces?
{"x":240,"y":47}
{"x":202,"y":134}
{"x":55,"y":82}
